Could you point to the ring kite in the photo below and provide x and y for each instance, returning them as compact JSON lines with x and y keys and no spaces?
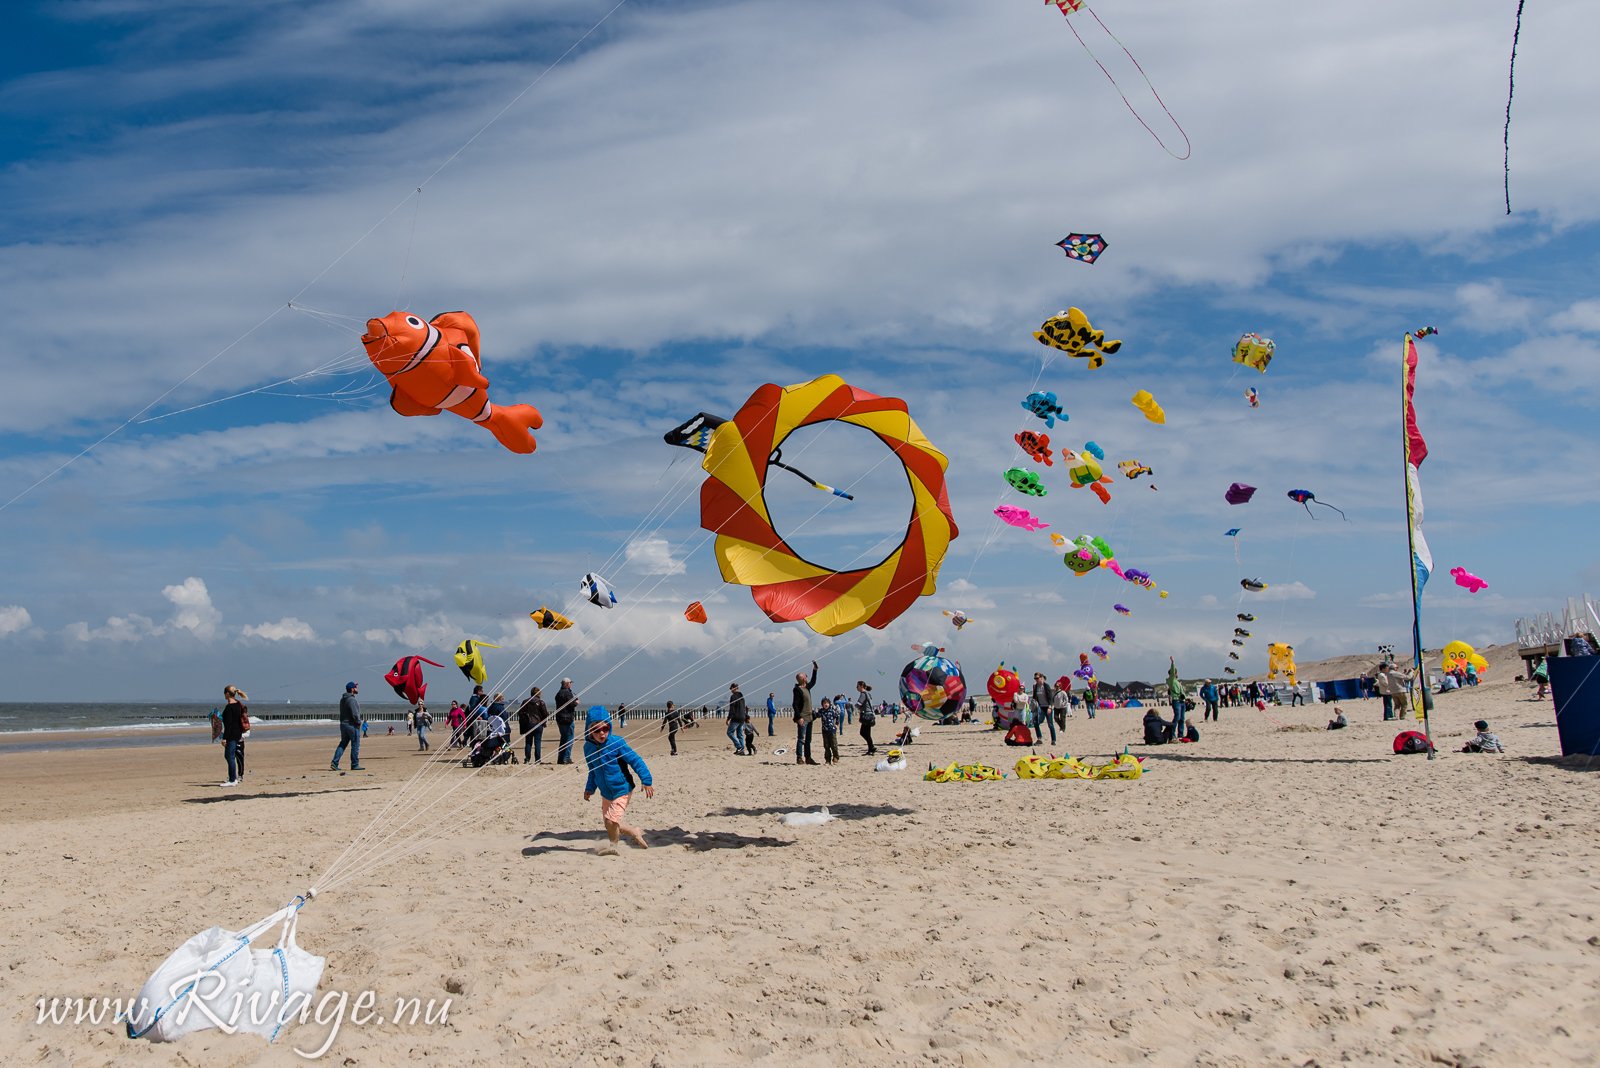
{"x":751,"y":553}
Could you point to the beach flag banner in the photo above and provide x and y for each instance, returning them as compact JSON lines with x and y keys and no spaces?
{"x":1416,"y":452}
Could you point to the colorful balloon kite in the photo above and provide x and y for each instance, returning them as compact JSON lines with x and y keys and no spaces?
{"x":1110,"y":637}
{"x":1132,"y":469}
{"x":1239,"y":493}
{"x":438,"y":365}
{"x":751,"y":553}
{"x":1121,"y":610}
{"x":1465,"y":578}
{"x":1085,"y":248}
{"x":1024,"y":481}
{"x":1019,"y":517}
{"x":1044,"y":405}
{"x":1253,"y":397}
{"x":958,"y":618}
{"x":1233,"y":656}
{"x":1083,"y":670}
{"x":1070,"y":332}
{"x":1004,"y":685}
{"x":695,"y":613}
{"x":1253,"y":350}
{"x":406,"y":678}
{"x":1058,"y":540}
{"x":1085,"y":470}
{"x":469,"y":658}
{"x":1307,"y":499}
{"x":1423,"y":332}
{"x":1087,"y":553}
{"x":597,"y":590}
{"x":1143,"y":401}
{"x":1036,"y":446}
{"x":1236,"y":641}
{"x":932,"y":686}
{"x":1229,"y":671}
{"x":1254,"y":585}
{"x":549,"y":620}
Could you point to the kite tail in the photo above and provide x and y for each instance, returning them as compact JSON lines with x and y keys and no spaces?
{"x":1325,"y":504}
{"x":1187,"y":148}
{"x":1511,"y":91}
{"x":1307,"y":506}
{"x":814,"y":483}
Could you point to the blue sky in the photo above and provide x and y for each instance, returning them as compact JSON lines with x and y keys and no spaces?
{"x":705,"y":197}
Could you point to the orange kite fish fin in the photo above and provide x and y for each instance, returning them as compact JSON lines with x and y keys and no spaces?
{"x":407,"y":406}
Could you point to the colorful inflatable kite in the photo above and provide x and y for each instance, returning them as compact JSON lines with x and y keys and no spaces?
{"x":406,"y":678}
{"x":1246,"y":617}
{"x":695,"y":613}
{"x":1070,"y":332}
{"x":1109,"y":636}
{"x":1423,"y":332}
{"x":1229,"y":670}
{"x":1253,"y":350}
{"x":1085,"y":248}
{"x":1132,"y":469}
{"x":749,"y":552}
{"x":1121,"y":611}
{"x":1058,"y":540}
{"x":1239,"y":493}
{"x":932,"y":686}
{"x":1085,"y":470}
{"x":1233,"y":656}
{"x":1036,"y":446}
{"x":1253,"y":397}
{"x":1019,"y":517}
{"x":1253,"y":585}
{"x":549,"y":620}
{"x":1024,"y":481}
{"x":1465,"y":578}
{"x":1240,"y":632}
{"x":1004,"y":685}
{"x":1236,"y":641}
{"x":958,"y":618}
{"x":1101,"y":653}
{"x":438,"y":365}
{"x":1143,"y":401}
{"x":469,"y":658}
{"x":1280,"y":657}
{"x":1458,"y":654}
{"x":1307,"y":498}
{"x":1045,"y":407}
{"x":1086,"y":554}
{"x":596,"y":590}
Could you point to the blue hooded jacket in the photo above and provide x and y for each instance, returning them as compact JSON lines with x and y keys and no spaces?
{"x":608,"y":763}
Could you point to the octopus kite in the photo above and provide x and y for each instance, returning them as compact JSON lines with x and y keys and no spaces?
{"x":1307,"y":499}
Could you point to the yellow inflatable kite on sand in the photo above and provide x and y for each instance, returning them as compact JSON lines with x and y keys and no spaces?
{"x":1126,"y":766}
{"x":959,"y":772}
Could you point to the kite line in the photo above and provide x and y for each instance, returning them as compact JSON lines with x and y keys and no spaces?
{"x":1511,"y":91}
{"x":1068,"y":7}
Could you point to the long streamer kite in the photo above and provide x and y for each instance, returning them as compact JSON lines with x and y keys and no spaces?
{"x":1072,"y":7}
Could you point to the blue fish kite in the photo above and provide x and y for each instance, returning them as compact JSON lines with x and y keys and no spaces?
{"x":1046,"y":407}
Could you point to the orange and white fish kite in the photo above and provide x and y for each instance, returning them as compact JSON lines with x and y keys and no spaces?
{"x":435,"y":365}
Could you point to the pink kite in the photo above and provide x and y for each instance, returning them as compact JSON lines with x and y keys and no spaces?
{"x":1019,"y":517}
{"x":1466,"y":578}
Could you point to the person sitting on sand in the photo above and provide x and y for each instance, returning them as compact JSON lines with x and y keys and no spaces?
{"x":1338,"y":722}
{"x":1157,"y":731}
{"x":610,"y":760}
{"x":1484,"y":742}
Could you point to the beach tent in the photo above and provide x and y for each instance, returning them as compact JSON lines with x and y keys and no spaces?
{"x":1135,"y":703}
{"x":1341,"y":689}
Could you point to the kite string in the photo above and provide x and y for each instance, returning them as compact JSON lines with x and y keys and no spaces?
{"x":1511,"y":90}
{"x":406,"y":265}
{"x":1187,"y":148}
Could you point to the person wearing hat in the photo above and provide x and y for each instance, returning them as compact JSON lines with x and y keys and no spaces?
{"x":349,"y":728}
{"x":612,"y":764}
{"x":1484,"y":742}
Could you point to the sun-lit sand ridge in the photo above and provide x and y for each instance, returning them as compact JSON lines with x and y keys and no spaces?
{"x":1267,"y":896}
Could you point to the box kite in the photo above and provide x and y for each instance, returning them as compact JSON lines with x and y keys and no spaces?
{"x":751,"y":553}
{"x":1253,"y":350}
{"x":1085,"y":248}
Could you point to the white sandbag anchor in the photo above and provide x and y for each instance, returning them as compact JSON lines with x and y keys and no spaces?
{"x":216,"y":980}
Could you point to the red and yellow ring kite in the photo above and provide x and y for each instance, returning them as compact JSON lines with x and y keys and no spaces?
{"x":751,"y":553}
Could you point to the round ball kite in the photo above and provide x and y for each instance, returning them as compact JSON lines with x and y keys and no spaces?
{"x":933,"y":687}
{"x":1004,"y":685}
{"x":784,"y":584}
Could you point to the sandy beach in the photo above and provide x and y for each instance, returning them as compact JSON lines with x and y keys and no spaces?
{"x":1271,"y":895}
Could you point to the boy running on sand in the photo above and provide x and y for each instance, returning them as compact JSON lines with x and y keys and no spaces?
{"x":609,"y":759}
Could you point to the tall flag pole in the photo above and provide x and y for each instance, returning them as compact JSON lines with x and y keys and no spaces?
{"x":1416,"y":451}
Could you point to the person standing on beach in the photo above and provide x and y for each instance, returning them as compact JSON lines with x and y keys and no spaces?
{"x":349,"y":728}
{"x":610,"y":760}
{"x":1386,"y":689}
{"x":454,"y":718}
{"x":738,"y":717}
{"x":423,"y":721}
{"x":622,"y":715}
{"x":772,"y":714}
{"x":800,"y":705}
{"x":1179,"y":697}
{"x":1541,"y":675}
{"x":1044,"y":703}
{"x":566,"y":716}
{"x":233,"y":719}
{"x":531,"y":717}
{"x":670,"y":723}
{"x":830,"y":715}
{"x":868,"y":718}
{"x":1208,"y":694}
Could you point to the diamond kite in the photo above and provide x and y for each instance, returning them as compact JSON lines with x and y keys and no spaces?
{"x":1085,"y":248}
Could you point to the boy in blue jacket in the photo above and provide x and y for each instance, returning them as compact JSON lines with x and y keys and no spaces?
{"x":609,"y":759}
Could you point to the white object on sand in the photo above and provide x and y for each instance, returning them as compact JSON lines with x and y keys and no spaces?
{"x":884,"y":765}
{"x":916,"y":732}
{"x":807,"y":819}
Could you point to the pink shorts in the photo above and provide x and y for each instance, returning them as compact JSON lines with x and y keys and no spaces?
{"x":612,"y":808}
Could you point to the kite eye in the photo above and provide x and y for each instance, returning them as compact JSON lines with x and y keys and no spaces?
{"x":413,"y":322}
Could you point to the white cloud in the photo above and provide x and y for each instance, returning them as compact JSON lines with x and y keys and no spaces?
{"x":195,"y":612}
{"x":13,"y":618}
{"x":653,"y":556}
{"x":286,"y":629}
{"x":132,"y":628}
{"x":1583,"y":316}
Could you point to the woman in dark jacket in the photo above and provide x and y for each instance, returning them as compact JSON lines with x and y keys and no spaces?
{"x":566,"y":715}
{"x":531,"y":718}
{"x":868,"y":718}
{"x":233,"y":733}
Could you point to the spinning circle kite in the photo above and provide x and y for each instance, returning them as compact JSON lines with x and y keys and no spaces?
{"x":751,"y":553}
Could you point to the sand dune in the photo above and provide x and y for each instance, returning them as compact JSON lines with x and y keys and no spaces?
{"x":1267,"y":896}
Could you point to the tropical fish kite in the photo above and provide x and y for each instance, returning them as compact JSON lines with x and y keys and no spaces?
{"x":1307,"y":499}
{"x":1122,"y":610}
{"x":1239,"y":493}
{"x":406,"y":678}
{"x":549,"y":620}
{"x":1253,"y":350}
{"x":1465,"y":578}
{"x":1044,"y":405}
{"x":1036,"y":446}
{"x":1025,"y":481}
{"x":695,"y":613}
{"x":958,"y":618}
{"x":1143,"y":401}
{"x":437,"y":365}
{"x":1070,"y":332}
{"x":1019,"y":517}
{"x":597,"y":591}
{"x":1085,"y":248}
{"x":469,"y":658}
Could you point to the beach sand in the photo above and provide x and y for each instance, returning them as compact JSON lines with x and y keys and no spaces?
{"x":1266,"y":896}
